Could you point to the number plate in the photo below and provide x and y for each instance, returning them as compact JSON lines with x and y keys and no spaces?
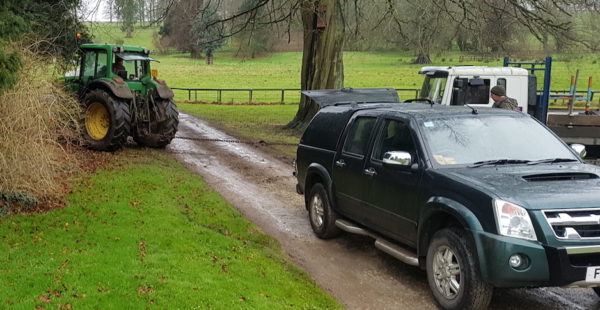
{"x":592,"y":274}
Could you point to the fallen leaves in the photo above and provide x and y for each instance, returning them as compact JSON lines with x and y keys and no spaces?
{"x":145,"y":289}
{"x":142,"y":247}
{"x":102,"y":288}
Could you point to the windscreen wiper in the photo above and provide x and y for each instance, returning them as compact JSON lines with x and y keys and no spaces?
{"x":552,"y":160}
{"x":498,"y":162}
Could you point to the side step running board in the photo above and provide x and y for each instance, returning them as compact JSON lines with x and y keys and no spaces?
{"x":400,"y":253}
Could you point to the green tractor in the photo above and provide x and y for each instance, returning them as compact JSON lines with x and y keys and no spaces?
{"x":122,"y":97}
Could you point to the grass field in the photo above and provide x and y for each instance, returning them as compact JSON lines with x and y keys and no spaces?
{"x":282,"y":70}
{"x":147,"y":234}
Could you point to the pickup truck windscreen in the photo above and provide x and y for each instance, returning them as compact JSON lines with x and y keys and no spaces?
{"x":494,"y":138}
{"x":433,"y":88}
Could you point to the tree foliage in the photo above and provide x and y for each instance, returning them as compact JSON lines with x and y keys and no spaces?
{"x":128,"y":11}
{"x":207,"y":39}
{"x":176,"y":31}
{"x":257,"y":36}
{"x":28,"y":21}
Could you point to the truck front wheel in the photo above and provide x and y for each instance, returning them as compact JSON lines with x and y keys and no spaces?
{"x":453,"y":273}
{"x":107,"y":121}
{"x":322,"y":217}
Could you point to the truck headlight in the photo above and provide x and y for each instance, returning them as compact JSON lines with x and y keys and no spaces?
{"x":513,"y":220}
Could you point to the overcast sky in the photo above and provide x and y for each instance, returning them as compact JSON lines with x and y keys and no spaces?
{"x":93,"y":10}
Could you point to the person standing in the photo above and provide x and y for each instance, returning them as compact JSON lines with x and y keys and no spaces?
{"x":498,"y":94}
{"x":118,"y":65}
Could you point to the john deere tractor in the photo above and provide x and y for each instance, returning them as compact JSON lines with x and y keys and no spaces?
{"x":122,"y":97}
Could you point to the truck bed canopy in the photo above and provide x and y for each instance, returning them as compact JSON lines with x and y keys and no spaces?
{"x":329,"y":97}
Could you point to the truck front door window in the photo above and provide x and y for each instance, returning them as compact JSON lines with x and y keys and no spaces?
{"x":357,"y":140}
{"x":394,"y":137}
{"x":478,"y":93}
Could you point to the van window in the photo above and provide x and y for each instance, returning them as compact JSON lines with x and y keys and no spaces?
{"x":501,"y":82}
{"x":478,"y":94}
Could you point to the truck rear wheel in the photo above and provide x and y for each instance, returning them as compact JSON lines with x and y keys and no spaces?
{"x":107,"y":121}
{"x":453,"y":273}
{"x":322,"y":217}
{"x":162,"y":127}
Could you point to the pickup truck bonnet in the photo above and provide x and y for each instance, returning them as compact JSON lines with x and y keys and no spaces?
{"x":536,"y":187}
{"x":329,"y":97}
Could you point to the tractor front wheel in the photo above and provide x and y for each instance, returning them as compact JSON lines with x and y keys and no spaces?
{"x":107,"y":121}
{"x":162,"y":128}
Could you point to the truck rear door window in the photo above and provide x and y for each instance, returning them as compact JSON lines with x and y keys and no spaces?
{"x":357,"y":140}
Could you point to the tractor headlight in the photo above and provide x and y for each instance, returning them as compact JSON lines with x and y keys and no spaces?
{"x":513,"y":220}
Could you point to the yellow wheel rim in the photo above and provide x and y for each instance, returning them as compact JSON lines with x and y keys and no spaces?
{"x":97,"y":121}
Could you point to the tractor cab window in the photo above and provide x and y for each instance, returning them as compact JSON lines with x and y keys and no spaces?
{"x":94,"y":65}
{"x":136,"y":66}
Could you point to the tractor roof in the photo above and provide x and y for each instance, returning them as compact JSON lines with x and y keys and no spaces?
{"x":114,"y":47}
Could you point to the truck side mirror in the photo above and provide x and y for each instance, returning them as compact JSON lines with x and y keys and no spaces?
{"x":579,"y":149}
{"x":397,"y":159}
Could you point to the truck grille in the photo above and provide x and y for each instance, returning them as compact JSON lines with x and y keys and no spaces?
{"x":574,"y":224}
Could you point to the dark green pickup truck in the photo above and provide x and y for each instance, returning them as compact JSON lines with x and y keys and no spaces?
{"x":479,"y":199}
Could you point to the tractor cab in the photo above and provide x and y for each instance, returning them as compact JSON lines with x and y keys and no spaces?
{"x":122,"y":97}
{"x":113,"y":63}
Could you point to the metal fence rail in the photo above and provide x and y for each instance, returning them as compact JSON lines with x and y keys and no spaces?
{"x":255,"y":95}
{"x":292,"y":95}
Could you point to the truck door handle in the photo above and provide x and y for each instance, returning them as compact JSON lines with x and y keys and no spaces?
{"x":340,"y":163}
{"x":370,"y":172}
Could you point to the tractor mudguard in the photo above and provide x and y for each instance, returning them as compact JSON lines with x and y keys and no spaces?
{"x":119,"y":90}
{"x":163,"y":90}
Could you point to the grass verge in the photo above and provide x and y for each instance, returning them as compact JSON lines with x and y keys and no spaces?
{"x":147,"y":234}
{"x":252,"y":123}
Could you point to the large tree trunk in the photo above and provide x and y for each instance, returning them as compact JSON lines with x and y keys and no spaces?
{"x":322,"y":65}
{"x":194,"y":52}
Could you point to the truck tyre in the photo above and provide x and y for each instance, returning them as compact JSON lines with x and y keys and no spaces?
{"x":163,"y":125}
{"x":453,"y":272}
{"x":322,"y":217}
{"x":106,"y":122}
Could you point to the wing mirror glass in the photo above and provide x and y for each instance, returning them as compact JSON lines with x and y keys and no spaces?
{"x":397,"y":159}
{"x":579,"y":149}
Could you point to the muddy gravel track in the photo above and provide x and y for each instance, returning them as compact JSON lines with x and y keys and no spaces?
{"x":348,"y":267}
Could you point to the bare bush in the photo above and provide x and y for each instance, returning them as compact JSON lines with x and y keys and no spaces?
{"x":38,"y":119}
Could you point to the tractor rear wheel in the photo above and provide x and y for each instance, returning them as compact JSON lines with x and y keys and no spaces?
{"x":162,"y":128}
{"x":107,"y":121}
